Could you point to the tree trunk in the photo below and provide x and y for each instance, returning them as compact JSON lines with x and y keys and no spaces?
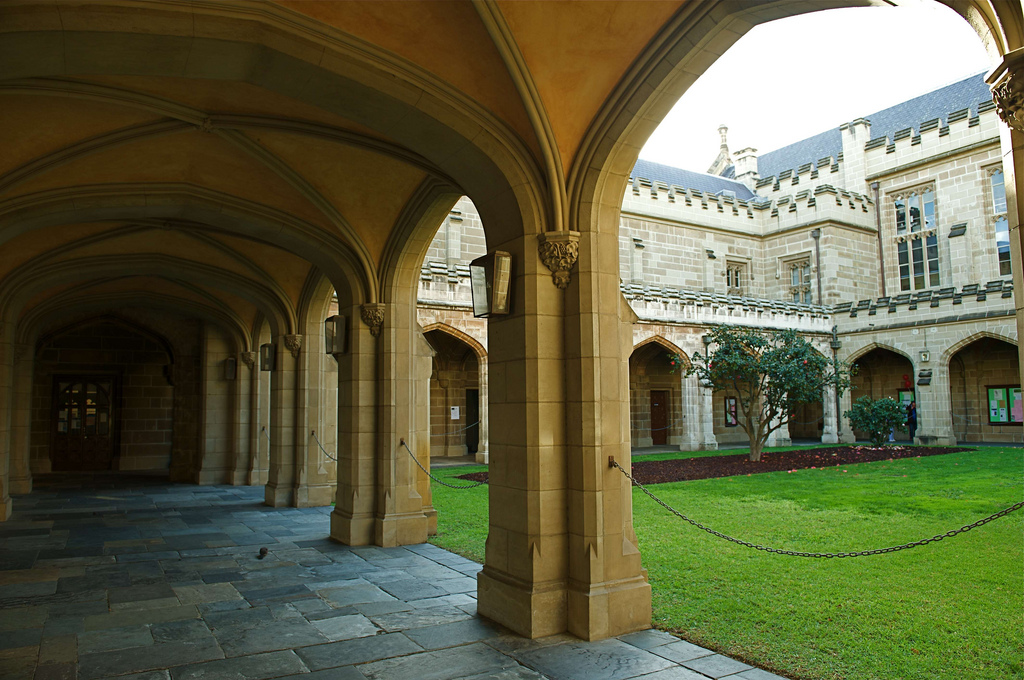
{"x":755,"y":450}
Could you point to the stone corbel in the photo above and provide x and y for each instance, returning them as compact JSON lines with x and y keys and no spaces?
{"x":1007,"y":83}
{"x":372,"y":314}
{"x":293,"y":343}
{"x":559,"y":251}
{"x":248,"y":358}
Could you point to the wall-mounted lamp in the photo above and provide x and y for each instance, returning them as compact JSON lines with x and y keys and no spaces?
{"x":490,"y":277}
{"x":230,"y":368}
{"x":335,"y":334}
{"x":268,"y":357}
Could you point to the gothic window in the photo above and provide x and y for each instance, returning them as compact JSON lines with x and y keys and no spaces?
{"x":917,"y":242}
{"x":735,"y":277}
{"x":800,"y":281}
{"x":1001,"y":224}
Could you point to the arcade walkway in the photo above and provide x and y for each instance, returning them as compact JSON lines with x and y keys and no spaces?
{"x":145,"y":580}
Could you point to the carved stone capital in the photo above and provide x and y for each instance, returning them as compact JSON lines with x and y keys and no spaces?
{"x":559,"y":251}
{"x":372,"y":314}
{"x":1007,"y":83}
{"x":293,"y":343}
{"x":248,"y":358}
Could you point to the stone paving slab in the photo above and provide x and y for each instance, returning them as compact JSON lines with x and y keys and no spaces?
{"x":163,"y":582}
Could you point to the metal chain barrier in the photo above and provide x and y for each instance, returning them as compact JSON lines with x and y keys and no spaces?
{"x":472,"y":485}
{"x":313,"y":432}
{"x":448,"y":434}
{"x":795,"y":553}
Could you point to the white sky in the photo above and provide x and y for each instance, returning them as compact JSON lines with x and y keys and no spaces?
{"x":790,"y":79}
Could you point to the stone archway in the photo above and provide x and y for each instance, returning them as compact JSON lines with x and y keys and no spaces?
{"x":883,"y":372}
{"x":984,"y":391}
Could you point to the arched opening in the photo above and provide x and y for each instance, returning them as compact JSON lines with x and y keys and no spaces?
{"x":985,"y":392}
{"x":455,"y":404}
{"x":657,"y":413}
{"x":105,"y":398}
{"x":882,"y":372}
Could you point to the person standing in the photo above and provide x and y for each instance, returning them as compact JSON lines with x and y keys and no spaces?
{"x":912,"y":420}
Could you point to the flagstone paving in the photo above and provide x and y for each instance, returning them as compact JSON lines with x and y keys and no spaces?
{"x":143,"y":580}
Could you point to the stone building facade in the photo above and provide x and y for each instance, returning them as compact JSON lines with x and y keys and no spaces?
{"x":891,"y":234}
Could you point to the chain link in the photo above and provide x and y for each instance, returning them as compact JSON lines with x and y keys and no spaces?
{"x":439,"y":481}
{"x":795,"y":553}
{"x":313,"y":432}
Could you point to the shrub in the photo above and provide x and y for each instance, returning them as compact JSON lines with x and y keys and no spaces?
{"x":877,"y":417}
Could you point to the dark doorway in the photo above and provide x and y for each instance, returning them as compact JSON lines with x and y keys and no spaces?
{"x":473,"y":418}
{"x":659,"y":417}
{"x":84,"y":431}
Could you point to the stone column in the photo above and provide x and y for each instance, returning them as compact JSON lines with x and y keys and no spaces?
{"x":481,"y":449}
{"x":523,"y":584}
{"x":608,"y":590}
{"x":828,"y":403}
{"x":21,"y":420}
{"x":313,"y":487}
{"x":779,"y":437}
{"x":403,"y":413}
{"x":692,"y":433}
{"x":245,"y":419}
{"x":1007,"y":83}
{"x":352,"y":521}
{"x":846,"y":435}
{"x":707,"y":419}
{"x":6,"y":394}
{"x":934,"y":411}
{"x":280,"y":489}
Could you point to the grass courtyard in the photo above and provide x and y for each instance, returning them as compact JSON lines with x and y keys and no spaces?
{"x":953,"y":609}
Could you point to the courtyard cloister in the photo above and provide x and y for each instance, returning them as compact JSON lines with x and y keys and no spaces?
{"x":187,"y":185}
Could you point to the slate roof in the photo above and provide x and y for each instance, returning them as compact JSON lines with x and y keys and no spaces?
{"x":688,"y":179}
{"x":967,"y":93}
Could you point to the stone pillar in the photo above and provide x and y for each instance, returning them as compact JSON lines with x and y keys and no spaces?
{"x":481,"y":449}
{"x":280,"y":489}
{"x":21,"y":420}
{"x":828,"y":403}
{"x":523,"y":584}
{"x":707,"y":419}
{"x":352,"y":521}
{"x":6,"y":394}
{"x":313,"y":487}
{"x":692,"y":439}
{"x":403,"y":412}
{"x":846,"y":435}
{"x":608,"y":590}
{"x":1007,"y":83}
{"x":779,"y":437}
{"x":934,"y":411}
{"x":246,"y":430}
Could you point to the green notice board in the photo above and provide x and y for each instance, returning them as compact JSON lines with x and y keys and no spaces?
{"x":1005,"y":405}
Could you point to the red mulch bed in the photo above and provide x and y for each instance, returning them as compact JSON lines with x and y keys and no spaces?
{"x":709,"y":467}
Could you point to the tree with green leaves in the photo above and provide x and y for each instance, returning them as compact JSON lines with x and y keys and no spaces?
{"x":773,"y":373}
{"x":877,"y":417}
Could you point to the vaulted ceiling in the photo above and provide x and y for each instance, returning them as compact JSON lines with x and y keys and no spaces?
{"x":225,"y":156}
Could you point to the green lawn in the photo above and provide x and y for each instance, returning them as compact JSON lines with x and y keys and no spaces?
{"x":953,"y":609}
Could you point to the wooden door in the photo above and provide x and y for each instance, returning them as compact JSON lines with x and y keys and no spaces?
{"x":659,"y":417}
{"x":83,"y":432}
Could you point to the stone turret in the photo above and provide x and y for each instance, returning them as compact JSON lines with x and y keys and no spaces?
{"x":722,"y":161}
{"x":856,"y":134}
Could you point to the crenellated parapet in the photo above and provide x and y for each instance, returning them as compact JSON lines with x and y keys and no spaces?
{"x":927,"y":307}
{"x":930,"y":140}
{"x":780,"y":209}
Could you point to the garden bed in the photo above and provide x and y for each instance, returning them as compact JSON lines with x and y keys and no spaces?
{"x":710,"y":467}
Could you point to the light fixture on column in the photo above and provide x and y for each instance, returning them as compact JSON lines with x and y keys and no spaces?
{"x":230,"y":368}
{"x":335,"y":334}
{"x":490,"y":277}
{"x":268,"y":355}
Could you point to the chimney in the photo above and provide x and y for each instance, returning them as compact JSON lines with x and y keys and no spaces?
{"x":722,"y":160}
{"x":746,"y":167}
